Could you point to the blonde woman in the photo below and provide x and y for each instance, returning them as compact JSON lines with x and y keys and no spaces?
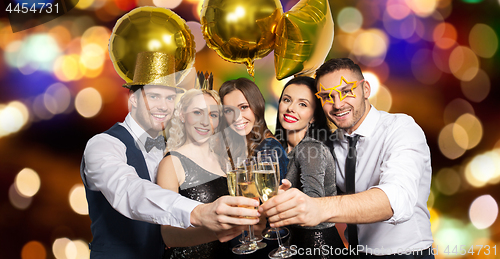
{"x":193,"y":169}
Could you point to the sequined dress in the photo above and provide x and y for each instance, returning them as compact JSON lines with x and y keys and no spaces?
{"x":311,"y":170}
{"x":206,"y":187}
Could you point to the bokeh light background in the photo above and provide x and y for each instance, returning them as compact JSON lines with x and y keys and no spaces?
{"x":436,"y":60}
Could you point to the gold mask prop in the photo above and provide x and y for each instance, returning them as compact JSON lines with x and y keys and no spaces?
{"x":150,"y":29}
{"x":344,"y":89}
{"x":304,"y":37}
{"x":241,"y":31}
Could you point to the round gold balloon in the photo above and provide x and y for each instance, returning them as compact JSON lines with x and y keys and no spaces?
{"x":304,"y":37}
{"x":241,"y":31}
{"x":150,"y":29}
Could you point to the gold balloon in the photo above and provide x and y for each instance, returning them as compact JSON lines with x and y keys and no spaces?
{"x":241,"y":31}
{"x":304,"y":37}
{"x":150,"y":29}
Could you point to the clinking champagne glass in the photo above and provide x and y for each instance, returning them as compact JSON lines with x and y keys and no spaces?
{"x":231,"y":174}
{"x":245,"y":186}
{"x":268,"y":233}
{"x":266,"y":181}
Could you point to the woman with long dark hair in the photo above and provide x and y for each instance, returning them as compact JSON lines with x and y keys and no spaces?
{"x":301,"y":127}
{"x":248,"y":133}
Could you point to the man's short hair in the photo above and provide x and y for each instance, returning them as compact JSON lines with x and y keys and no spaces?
{"x":335,"y":64}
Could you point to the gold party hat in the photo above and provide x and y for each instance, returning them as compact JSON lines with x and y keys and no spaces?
{"x":155,"y":68}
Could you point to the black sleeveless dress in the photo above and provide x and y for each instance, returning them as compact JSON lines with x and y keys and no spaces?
{"x":203,"y":186}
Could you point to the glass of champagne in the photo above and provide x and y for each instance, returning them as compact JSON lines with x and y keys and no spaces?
{"x":245,"y":186}
{"x":268,"y":233}
{"x":266,"y":181}
{"x":231,"y":173}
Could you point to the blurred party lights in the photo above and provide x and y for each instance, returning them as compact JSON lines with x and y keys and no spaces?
{"x":473,"y":129}
{"x":447,"y":141}
{"x":270,"y":116}
{"x":64,"y":248}
{"x":78,"y":200}
{"x":88,"y":102}
{"x":171,"y":4}
{"x":18,"y":200}
{"x":447,"y":181}
{"x":13,"y":117}
{"x":483,"y":211}
{"x":382,"y":100}
{"x":478,"y":88}
{"x":373,"y":81}
{"x":422,"y":8}
{"x":455,"y":109}
{"x":59,"y":248}
{"x":27,"y":182}
{"x":445,"y":35}
{"x":483,"y":40}
{"x":195,"y":28}
{"x":464,"y":64}
{"x":57,"y":98}
{"x":438,"y":48}
{"x":33,"y":250}
{"x":350,"y":19}
{"x":397,"y":10}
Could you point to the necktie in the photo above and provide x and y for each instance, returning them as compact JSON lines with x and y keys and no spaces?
{"x":350,"y":170}
{"x":158,"y":142}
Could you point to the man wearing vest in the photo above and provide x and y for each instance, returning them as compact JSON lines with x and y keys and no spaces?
{"x":119,"y":167}
{"x":383,"y":166}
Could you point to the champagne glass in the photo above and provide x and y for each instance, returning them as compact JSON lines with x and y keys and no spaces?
{"x":268,"y":233}
{"x":266,"y":181}
{"x":231,"y":174}
{"x":245,"y":186}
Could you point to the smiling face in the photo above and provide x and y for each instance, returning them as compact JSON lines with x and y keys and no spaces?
{"x":152,"y":107}
{"x":349,"y":112}
{"x":201,"y":118}
{"x":296,"y":108}
{"x":243,"y":122}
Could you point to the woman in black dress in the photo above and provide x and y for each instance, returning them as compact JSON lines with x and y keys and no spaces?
{"x":302,"y":129}
{"x":194,"y":170}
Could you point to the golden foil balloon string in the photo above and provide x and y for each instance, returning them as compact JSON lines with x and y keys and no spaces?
{"x":151,"y":29}
{"x":241,"y":31}
{"x":304,"y":37}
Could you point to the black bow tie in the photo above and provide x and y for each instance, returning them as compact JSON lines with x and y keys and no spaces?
{"x":158,"y":142}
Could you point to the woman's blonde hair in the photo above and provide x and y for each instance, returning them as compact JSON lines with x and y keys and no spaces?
{"x":177,"y":135}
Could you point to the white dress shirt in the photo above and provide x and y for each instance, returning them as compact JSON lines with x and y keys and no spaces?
{"x":392,"y":155}
{"x":106,"y":170}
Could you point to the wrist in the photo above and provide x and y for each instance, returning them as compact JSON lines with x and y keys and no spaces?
{"x":330,"y":208}
{"x":194,"y":217}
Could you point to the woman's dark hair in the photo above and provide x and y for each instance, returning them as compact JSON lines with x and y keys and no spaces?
{"x":257,"y":104}
{"x":319,"y":128}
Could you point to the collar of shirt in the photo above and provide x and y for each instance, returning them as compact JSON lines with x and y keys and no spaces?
{"x":137,"y":131}
{"x":367,"y":126}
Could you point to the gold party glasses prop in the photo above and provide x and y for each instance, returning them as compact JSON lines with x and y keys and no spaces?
{"x":268,"y":233}
{"x":344,"y":89}
{"x":266,"y":181}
